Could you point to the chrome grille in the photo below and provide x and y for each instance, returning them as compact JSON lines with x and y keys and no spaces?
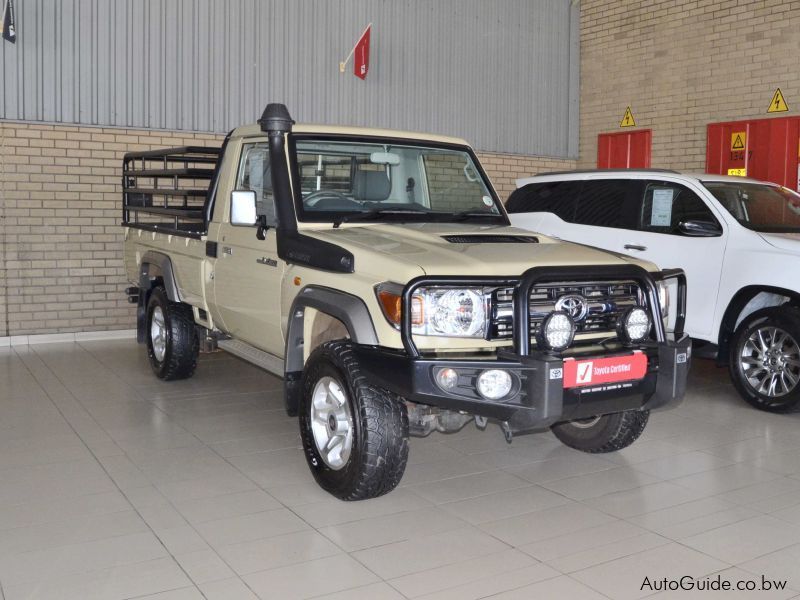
{"x":606,"y":301}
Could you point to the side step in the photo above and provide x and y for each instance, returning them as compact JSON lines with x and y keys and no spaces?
{"x":265,"y":360}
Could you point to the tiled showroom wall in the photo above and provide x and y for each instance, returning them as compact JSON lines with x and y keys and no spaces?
{"x":681,"y":65}
{"x":60,"y":240}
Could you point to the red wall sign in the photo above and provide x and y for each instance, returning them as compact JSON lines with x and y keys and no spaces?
{"x":361,"y":58}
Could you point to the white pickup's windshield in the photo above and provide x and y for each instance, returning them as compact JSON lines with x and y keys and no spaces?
{"x":357,"y":181}
{"x":759,"y":206}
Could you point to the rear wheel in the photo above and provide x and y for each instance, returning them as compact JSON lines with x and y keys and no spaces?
{"x":765,"y":359}
{"x":607,"y":433}
{"x":355,"y":435}
{"x":172,"y":344}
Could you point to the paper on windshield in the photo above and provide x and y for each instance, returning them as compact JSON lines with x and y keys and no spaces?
{"x":661,"y":212}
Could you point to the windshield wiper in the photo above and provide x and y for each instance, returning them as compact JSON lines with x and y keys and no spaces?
{"x":370,"y":215}
{"x":472,"y":214}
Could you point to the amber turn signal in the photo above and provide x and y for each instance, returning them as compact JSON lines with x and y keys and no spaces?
{"x":391,"y":304}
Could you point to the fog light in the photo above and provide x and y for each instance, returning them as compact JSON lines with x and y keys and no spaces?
{"x":557,"y":331}
{"x":446,"y":378}
{"x":494,"y":384}
{"x":634,"y":325}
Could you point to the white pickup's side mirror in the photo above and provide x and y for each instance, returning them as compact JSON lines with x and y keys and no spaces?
{"x":243,"y":208}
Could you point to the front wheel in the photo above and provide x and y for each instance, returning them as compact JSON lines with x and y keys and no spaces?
{"x":607,"y":433}
{"x":355,"y":435}
{"x":765,"y":359}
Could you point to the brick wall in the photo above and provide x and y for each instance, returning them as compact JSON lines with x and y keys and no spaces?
{"x":681,"y":65}
{"x":60,"y":240}
{"x":61,"y":267}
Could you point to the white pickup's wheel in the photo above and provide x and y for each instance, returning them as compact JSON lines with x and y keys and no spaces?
{"x":158,"y":334}
{"x":331,"y":422}
{"x":765,"y":359}
{"x":172,"y":344}
{"x":355,"y":435}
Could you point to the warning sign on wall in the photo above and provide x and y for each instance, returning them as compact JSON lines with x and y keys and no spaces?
{"x":628,"y":120}
{"x":738,"y":140}
{"x":778,"y":102}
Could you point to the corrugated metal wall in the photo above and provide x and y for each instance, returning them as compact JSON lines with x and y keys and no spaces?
{"x":502,"y":73}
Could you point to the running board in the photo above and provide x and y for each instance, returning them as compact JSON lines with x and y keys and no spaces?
{"x":265,"y":360}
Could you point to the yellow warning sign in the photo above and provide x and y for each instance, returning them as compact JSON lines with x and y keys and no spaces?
{"x":778,"y":103}
{"x":738,"y":172}
{"x":738,"y":139}
{"x":628,"y":120}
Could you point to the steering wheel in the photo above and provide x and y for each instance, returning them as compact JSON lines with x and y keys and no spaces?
{"x":314,"y":197}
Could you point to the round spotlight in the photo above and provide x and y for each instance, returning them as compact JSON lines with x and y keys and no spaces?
{"x":634,"y":325}
{"x":494,"y":384}
{"x":557,"y":331}
{"x":447,"y":378}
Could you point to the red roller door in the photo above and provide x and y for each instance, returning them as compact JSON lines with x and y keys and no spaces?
{"x":624,"y":149}
{"x":761,"y":148}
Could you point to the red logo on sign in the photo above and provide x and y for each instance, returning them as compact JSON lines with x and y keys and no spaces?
{"x":578,"y":373}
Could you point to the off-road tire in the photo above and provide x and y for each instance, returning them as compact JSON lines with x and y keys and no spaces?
{"x":380,"y":422}
{"x":608,"y":433}
{"x":786,"y":318}
{"x":182,"y":346}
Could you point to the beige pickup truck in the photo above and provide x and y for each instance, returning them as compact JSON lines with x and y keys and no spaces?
{"x":376,"y":272}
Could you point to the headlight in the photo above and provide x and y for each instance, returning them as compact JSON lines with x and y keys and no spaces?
{"x":634,"y":325}
{"x":557,"y":331}
{"x":439,"y":311}
{"x":663,"y":297}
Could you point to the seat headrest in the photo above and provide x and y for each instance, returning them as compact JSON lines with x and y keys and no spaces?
{"x":371,"y":185}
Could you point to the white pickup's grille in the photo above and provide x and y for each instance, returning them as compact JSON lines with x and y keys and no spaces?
{"x":605,"y":301}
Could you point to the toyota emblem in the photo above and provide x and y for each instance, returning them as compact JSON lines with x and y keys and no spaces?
{"x":575,"y":305}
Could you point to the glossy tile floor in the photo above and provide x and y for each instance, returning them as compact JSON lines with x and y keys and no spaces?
{"x":115,"y":485}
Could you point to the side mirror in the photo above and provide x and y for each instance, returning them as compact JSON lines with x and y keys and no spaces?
{"x":699,"y":229}
{"x":243,"y":208}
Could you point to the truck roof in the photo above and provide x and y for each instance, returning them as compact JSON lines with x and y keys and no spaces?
{"x":255,"y":129}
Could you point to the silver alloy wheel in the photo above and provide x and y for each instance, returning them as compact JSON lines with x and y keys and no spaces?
{"x":158,"y":334}
{"x":585,"y":423}
{"x":331,"y":422}
{"x":770,"y":361}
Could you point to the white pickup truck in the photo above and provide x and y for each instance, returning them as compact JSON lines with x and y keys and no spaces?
{"x":376,"y":272}
{"x":737,"y":239}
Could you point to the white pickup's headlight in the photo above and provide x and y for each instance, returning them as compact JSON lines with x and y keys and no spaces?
{"x":663,"y":297}
{"x":452,"y":312}
{"x":438,"y":311}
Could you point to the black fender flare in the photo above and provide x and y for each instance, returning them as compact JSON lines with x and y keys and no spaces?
{"x":351,"y":310}
{"x":157,"y":264}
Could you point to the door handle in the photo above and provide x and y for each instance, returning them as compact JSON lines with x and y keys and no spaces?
{"x":635,"y":247}
{"x":227,"y":250}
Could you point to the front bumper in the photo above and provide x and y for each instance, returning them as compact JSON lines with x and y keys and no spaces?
{"x":538,"y":398}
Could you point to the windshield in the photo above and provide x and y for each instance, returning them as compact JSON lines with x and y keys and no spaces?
{"x":356,"y":181}
{"x":759,"y":206}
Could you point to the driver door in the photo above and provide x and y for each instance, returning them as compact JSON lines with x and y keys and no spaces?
{"x":248,"y":273}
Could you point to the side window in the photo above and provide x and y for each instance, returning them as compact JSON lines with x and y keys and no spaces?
{"x":666,"y":204}
{"x":254,"y":174}
{"x":557,"y":197}
{"x":610,"y":203}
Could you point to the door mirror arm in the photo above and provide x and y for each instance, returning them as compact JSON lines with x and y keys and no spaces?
{"x":263,"y":227}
